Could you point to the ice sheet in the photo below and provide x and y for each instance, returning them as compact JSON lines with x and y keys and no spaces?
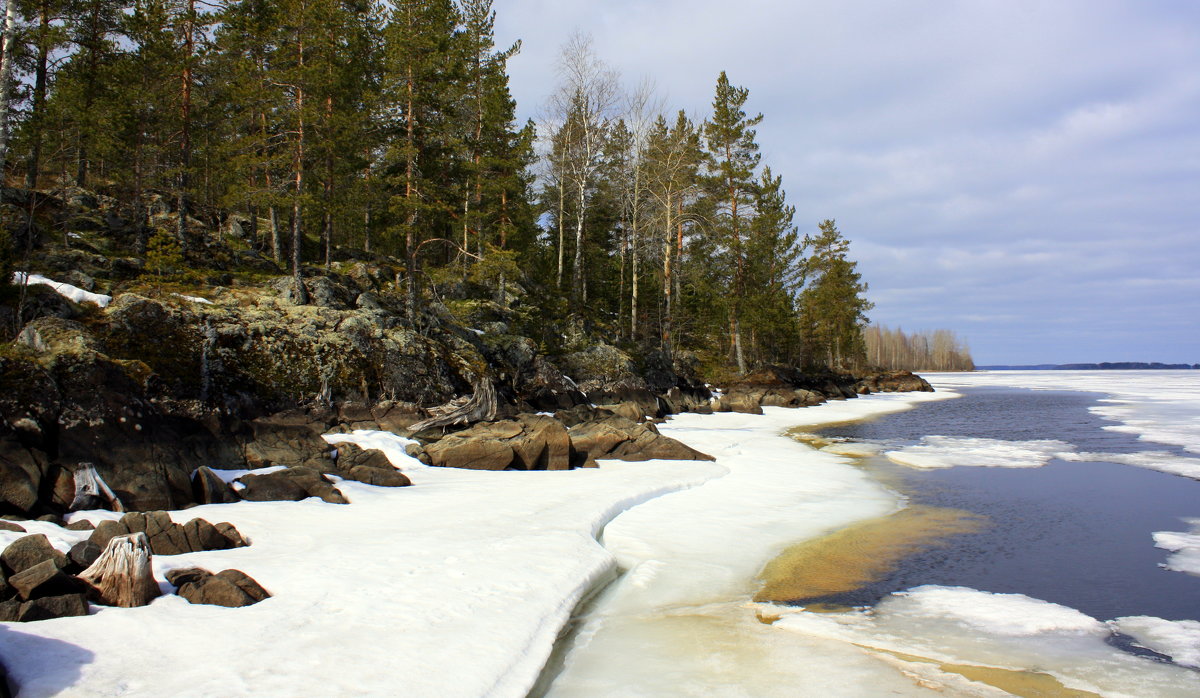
{"x":1184,"y":546}
{"x":66,"y":290}
{"x":951,"y":451}
{"x":957,"y":626}
{"x":1178,"y":639}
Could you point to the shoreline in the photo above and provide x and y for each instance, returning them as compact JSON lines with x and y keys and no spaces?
{"x":481,"y":601}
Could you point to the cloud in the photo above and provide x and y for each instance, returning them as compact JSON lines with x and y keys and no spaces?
{"x":1004,"y":168}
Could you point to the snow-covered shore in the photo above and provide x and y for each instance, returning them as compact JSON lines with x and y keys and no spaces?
{"x":456,"y":586}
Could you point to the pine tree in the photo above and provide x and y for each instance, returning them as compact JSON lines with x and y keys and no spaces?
{"x":773,"y":272}
{"x":733,"y":160}
{"x":832,"y":306}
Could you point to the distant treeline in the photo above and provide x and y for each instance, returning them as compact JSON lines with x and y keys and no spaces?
{"x":1106,"y":366}
{"x":937,"y":350}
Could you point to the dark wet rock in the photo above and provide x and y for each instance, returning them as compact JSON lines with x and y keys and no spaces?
{"x":230,"y":588}
{"x":43,"y":579}
{"x":28,"y":551}
{"x":619,"y":438}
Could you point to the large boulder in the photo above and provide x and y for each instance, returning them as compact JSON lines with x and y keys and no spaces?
{"x":230,"y":588}
{"x":893,"y":382}
{"x":290,"y":485}
{"x":619,"y":438}
{"x":43,"y":579}
{"x":369,"y":466}
{"x":30,"y":551}
{"x":529,"y":442}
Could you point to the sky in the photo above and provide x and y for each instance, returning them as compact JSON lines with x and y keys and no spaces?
{"x":1024,"y":173}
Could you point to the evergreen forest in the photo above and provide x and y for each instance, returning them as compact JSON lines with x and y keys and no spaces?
{"x":307,"y":134}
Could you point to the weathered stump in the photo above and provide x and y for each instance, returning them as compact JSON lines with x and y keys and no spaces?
{"x":122,"y":575}
{"x":480,"y":408}
{"x":91,"y":492}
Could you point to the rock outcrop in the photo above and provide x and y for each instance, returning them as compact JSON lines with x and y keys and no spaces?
{"x":529,"y":442}
{"x":620,"y":438}
{"x":166,"y":537}
{"x":893,"y":382}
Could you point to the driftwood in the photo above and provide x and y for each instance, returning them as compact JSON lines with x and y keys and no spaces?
{"x":91,"y":492}
{"x":122,"y":575}
{"x":480,"y":408}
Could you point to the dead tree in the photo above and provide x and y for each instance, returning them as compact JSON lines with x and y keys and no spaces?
{"x":91,"y":492}
{"x":480,"y":408}
{"x":122,"y":575}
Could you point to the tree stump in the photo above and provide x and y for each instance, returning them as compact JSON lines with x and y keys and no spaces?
{"x":122,"y":575}
{"x":480,"y":408}
{"x":91,"y":492}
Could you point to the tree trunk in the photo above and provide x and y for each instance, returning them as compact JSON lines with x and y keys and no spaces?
{"x":185,"y":109}
{"x":91,"y":492}
{"x":122,"y":575}
{"x":581,"y":203}
{"x":562,"y":204}
{"x":6,"y":69}
{"x":39,"y":97}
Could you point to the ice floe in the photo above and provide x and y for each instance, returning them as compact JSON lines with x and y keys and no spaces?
{"x":952,"y":451}
{"x":1184,"y":546}
{"x":1177,"y":639}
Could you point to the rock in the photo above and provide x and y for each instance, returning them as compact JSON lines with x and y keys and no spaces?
{"x":43,"y":579}
{"x":122,"y":575}
{"x":232,"y":535}
{"x":230,"y":588}
{"x":81,"y":525}
{"x":49,"y":607}
{"x":83,"y":554}
{"x":290,"y":485}
{"x":209,"y":488}
{"x":894,"y":382}
{"x":530,"y":442}
{"x":10,"y":526}
{"x":351,"y":456}
{"x":623,"y":439}
{"x":380,"y":477}
{"x":28,"y":551}
{"x":271,"y":487}
{"x":166,"y":537}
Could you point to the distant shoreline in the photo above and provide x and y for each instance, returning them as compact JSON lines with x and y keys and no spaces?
{"x":1118,"y":366}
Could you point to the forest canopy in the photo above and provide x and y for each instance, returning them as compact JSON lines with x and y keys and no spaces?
{"x":328,"y":130}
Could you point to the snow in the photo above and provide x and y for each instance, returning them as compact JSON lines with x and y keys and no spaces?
{"x":1178,"y":639}
{"x":66,"y":290}
{"x":1185,"y":546}
{"x":951,"y":451}
{"x":392,"y":446}
{"x":195,"y":299}
{"x":1163,"y":461}
{"x":455,"y":586}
